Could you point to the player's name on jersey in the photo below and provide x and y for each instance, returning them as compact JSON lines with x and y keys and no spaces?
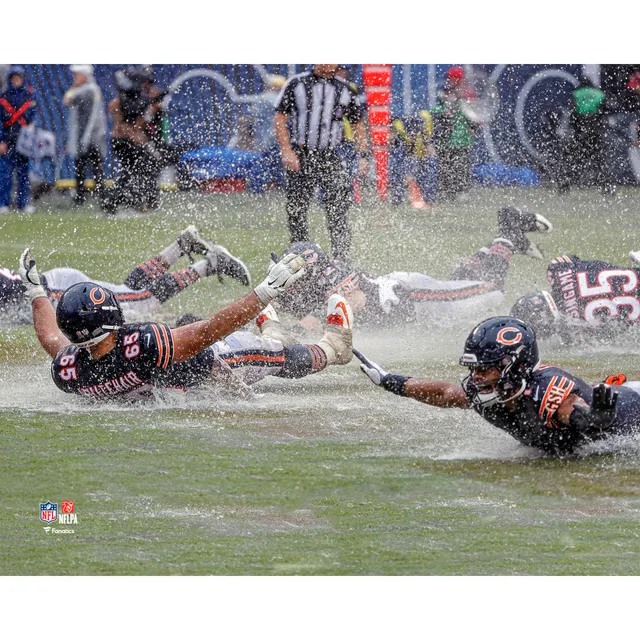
{"x":122,"y":384}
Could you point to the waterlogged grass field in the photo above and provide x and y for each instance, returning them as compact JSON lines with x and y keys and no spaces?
{"x":324,"y":476}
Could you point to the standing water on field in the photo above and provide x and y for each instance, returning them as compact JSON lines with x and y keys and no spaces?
{"x":327,"y":474}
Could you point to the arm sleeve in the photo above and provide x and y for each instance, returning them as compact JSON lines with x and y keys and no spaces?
{"x":156,"y":344}
{"x":551,"y":390}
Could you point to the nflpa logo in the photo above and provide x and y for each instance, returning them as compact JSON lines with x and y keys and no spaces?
{"x":67,"y":506}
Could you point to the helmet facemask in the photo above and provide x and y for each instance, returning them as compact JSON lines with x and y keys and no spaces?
{"x":509,"y":385}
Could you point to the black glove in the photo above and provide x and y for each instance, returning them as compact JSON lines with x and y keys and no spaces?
{"x":602,"y":411}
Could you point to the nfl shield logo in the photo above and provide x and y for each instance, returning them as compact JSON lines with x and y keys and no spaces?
{"x":49,"y":512}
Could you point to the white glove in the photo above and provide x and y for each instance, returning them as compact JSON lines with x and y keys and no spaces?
{"x":280,"y":276}
{"x":30,"y":277}
{"x":375,"y":372}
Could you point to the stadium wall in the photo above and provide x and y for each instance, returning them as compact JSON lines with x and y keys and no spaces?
{"x":205,"y":106}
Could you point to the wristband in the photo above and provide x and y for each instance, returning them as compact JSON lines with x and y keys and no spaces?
{"x":394,"y":383}
{"x":36,"y":292}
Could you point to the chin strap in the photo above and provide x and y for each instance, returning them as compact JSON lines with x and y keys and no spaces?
{"x":94,"y":341}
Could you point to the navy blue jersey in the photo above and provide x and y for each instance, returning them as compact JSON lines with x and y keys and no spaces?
{"x":533,"y":421}
{"x":593,"y":290}
{"x":142,"y":356}
{"x":11,"y":288}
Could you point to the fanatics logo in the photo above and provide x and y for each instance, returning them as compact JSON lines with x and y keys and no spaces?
{"x":49,"y":511}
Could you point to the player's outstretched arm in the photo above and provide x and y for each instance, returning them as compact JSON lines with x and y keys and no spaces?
{"x":191,"y":339}
{"x":434,"y":392}
{"x":44,"y":317}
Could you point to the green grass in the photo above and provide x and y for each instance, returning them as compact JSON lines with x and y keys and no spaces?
{"x":326,"y":476}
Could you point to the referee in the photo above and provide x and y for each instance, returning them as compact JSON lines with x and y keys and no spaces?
{"x":309,"y":127}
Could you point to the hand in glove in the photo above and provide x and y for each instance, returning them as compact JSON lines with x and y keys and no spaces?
{"x":375,"y":372}
{"x":602,"y":411}
{"x":380,"y":377}
{"x":30,"y":277}
{"x":280,"y":276}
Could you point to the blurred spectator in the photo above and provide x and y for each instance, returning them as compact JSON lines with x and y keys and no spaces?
{"x":412,"y":162}
{"x":584,"y":160}
{"x":309,"y":128}
{"x":134,"y":176}
{"x":87,"y":130}
{"x":348,"y":150}
{"x":160,"y":148}
{"x":634,"y":85}
{"x":244,"y":137}
{"x":454,"y":136}
{"x":17,"y":111}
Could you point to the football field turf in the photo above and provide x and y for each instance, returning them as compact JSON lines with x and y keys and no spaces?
{"x":323,"y":476}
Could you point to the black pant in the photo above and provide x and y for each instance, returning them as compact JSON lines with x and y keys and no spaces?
{"x":89,"y":159}
{"x":585,"y":161}
{"x":322,"y":169}
{"x":454,"y":171}
{"x":136,"y":182}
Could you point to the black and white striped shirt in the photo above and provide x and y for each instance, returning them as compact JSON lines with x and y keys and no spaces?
{"x":315,"y":107}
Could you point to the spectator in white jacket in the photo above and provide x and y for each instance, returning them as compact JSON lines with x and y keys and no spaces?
{"x":87,"y":129}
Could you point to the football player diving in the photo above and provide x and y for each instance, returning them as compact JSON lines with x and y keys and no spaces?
{"x":587,"y":300}
{"x":539,"y":405}
{"x":97,"y":355}
{"x":476,"y":286}
{"x":147,"y":287}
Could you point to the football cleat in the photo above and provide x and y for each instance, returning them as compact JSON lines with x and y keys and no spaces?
{"x":634,"y":257}
{"x":190,"y":241}
{"x":513,"y":223}
{"x":222,"y":263}
{"x":337,"y":342}
{"x":339,"y":312}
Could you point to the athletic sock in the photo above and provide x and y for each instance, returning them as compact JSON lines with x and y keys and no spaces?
{"x":496,"y":265}
{"x":144,"y":274}
{"x":469,"y":268}
{"x":173,"y":283}
{"x":172,"y":253}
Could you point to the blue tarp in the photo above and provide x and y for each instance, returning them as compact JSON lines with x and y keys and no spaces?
{"x":500,"y":175}
{"x":209,"y":163}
